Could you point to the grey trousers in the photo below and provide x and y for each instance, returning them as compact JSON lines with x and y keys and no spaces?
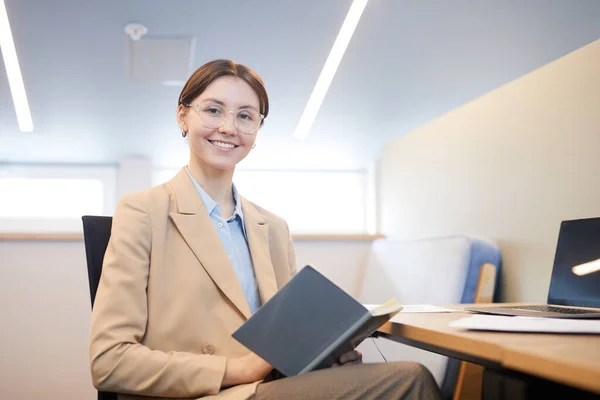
{"x":394,"y":380}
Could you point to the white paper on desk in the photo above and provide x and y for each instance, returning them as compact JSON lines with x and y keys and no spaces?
{"x":418,"y":308}
{"x":426,"y":308}
{"x":526,"y":324}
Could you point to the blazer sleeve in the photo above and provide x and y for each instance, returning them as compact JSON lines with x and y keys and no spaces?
{"x":119,"y":362}
{"x":291,"y":253}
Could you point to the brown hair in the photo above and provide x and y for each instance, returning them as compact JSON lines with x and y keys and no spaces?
{"x":209,"y":72}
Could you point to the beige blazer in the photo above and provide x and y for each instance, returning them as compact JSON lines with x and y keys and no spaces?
{"x":169,"y":299}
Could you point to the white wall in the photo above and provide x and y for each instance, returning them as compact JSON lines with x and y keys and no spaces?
{"x":45,"y":312}
{"x":508,"y":166}
{"x":45,"y":316}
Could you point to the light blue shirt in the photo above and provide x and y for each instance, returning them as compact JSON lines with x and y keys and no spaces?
{"x":233,"y":236}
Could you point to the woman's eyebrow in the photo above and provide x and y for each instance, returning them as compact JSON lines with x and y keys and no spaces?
{"x":219,"y":102}
{"x":248,"y":106}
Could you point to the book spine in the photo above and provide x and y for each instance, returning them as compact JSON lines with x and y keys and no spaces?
{"x":335,"y":344}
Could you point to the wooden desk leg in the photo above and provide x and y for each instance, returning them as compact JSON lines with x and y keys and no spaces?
{"x":470,"y":376}
{"x":469,"y":383}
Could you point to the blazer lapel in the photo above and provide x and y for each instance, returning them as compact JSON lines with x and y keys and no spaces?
{"x":194,"y":224}
{"x":257,"y":231}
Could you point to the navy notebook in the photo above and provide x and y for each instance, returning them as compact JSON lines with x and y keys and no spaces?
{"x":309,"y":323}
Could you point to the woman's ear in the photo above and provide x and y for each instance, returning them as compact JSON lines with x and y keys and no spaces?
{"x":181,"y":117}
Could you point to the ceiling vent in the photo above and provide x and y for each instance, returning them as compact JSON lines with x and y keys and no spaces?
{"x":165,"y":61}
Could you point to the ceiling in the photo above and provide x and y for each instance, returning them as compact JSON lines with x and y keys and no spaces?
{"x":409,"y":62}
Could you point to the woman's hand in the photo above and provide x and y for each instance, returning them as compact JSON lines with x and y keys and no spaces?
{"x":350,"y":358}
{"x":247,"y":369}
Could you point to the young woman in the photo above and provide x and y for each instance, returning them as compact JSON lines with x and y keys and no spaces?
{"x":190,"y":260}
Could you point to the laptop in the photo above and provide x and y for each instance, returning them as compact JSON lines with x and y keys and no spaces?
{"x":575,"y":283}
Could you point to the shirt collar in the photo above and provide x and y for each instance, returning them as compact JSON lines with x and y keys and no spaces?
{"x":238,"y":203}
{"x":213,"y":207}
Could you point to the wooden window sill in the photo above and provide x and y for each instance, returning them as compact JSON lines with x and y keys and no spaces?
{"x":41,"y":237}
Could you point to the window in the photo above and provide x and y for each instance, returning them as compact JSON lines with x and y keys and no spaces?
{"x":312,"y":202}
{"x":50,"y":198}
{"x":53,"y":199}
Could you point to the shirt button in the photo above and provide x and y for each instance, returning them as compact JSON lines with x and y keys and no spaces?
{"x":208,"y":349}
{"x":219,"y":224}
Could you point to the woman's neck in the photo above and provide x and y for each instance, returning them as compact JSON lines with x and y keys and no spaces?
{"x":217,"y":184}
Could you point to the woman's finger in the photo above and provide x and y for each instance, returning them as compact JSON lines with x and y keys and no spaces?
{"x":350,"y":356}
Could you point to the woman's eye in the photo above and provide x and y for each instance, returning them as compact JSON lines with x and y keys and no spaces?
{"x":212,"y":110}
{"x":245,"y":116}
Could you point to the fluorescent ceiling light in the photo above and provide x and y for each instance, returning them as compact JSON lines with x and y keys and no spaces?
{"x":587,"y":268}
{"x":15,"y":79}
{"x":329,"y":69}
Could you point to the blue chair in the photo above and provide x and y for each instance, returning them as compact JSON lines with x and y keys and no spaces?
{"x":439,"y":271}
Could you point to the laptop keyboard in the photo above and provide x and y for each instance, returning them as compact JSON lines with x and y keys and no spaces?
{"x":561,"y":310}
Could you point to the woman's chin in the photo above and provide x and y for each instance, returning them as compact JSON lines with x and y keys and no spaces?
{"x":222,"y":162}
{"x":222,"y":165}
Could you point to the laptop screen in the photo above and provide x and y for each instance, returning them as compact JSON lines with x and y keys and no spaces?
{"x":576,"y":273}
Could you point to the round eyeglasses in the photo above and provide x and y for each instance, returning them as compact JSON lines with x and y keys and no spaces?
{"x":214,"y":115}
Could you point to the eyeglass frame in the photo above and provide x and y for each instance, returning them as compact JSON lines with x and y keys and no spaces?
{"x":196,"y":105}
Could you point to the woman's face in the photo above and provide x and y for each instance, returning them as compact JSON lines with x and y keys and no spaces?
{"x":223,"y":146}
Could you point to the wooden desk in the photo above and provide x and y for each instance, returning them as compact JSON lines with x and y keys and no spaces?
{"x":569,"y":359}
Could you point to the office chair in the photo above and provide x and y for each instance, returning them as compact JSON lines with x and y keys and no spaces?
{"x":96,"y":233}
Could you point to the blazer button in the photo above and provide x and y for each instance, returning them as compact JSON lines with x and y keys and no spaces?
{"x":208,"y":349}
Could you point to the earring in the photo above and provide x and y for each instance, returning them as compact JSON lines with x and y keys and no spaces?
{"x":254,"y":145}
{"x":183,"y":133}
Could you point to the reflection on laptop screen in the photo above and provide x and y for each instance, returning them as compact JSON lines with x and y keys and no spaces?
{"x":576,"y":273}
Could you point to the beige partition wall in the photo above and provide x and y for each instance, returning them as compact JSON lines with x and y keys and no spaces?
{"x":509,"y":166}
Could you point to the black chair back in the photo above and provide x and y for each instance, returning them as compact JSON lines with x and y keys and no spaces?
{"x":96,"y":233}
